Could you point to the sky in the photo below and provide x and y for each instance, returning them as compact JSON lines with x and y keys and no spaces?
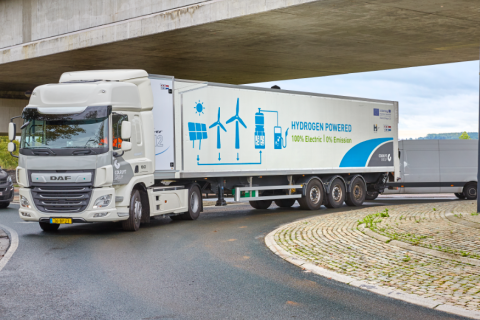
{"x":432,"y":99}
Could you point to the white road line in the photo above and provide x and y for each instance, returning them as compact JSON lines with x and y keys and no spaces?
{"x":13,"y":245}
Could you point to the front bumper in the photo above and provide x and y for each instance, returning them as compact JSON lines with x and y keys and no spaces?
{"x":86,"y":216}
{"x":7,"y":193}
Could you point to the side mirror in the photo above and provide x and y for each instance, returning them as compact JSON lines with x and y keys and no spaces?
{"x":12,"y":128}
{"x":126,"y":130}
{"x":126,"y":145}
{"x":12,"y":147}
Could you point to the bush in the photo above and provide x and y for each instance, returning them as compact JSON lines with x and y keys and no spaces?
{"x":6,"y":160}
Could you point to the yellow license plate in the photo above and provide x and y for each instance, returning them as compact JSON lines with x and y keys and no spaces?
{"x":61,"y":220}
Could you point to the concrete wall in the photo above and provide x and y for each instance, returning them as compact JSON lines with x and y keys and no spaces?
{"x":10,"y":108}
{"x":30,"y":20}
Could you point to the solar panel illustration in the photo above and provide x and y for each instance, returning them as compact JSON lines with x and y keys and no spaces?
{"x":197,"y":131}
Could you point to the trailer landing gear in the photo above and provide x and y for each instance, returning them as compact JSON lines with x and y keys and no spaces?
{"x":220,"y":202}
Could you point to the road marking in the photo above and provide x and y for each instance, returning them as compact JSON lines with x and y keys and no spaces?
{"x":13,"y":245}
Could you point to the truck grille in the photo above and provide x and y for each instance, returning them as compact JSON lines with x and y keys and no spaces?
{"x":61,"y":199}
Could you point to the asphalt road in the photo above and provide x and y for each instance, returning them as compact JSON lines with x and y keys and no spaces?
{"x":214,"y":268}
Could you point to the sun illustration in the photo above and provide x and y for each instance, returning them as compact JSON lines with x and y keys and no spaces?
{"x":199,"y":107}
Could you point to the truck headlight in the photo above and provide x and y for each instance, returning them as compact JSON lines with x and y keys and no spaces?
{"x":102,"y":201}
{"x":9,"y":179}
{"x":24,"y":202}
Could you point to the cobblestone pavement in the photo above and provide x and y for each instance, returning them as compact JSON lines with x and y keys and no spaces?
{"x":336,"y":242}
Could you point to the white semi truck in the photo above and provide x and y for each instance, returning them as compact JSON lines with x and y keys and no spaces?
{"x":123,"y":145}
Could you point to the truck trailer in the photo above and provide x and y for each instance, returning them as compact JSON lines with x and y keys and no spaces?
{"x":125,"y":146}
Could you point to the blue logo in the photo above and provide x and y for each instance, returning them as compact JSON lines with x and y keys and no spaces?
{"x":238,"y":119}
{"x":197,"y":131}
{"x":376,"y":112}
{"x":199,"y":108}
{"x":219,"y":125}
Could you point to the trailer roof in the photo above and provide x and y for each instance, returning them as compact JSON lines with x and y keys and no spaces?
{"x":284,"y":91}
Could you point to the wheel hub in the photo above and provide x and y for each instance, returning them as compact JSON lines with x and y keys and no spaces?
{"x":337,"y":193}
{"x":138,"y":210}
{"x":315,"y":194}
{"x":357,"y":192}
{"x":194,"y":203}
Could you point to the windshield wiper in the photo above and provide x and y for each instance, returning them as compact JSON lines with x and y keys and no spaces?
{"x":50,"y":151}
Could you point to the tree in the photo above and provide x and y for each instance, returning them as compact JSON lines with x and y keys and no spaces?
{"x":464,"y":136}
{"x":6,"y":160}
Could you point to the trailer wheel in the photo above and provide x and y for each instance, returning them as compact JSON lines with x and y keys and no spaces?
{"x":261,"y":204}
{"x":371,"y":195}
{"x":470,"y":191}
{"x":194,"y":205}
{"x":48,"y":227}
{"x":314,"y":196}
{"x":460,"y":196}
{"x":357,"y":195}
{"x":135,"y":213}
{"x":285,"y":203}
{"x":336,"y":197}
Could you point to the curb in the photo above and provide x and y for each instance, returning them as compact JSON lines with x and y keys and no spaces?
{"x":13,"y":236}
{"x":384,"y":291}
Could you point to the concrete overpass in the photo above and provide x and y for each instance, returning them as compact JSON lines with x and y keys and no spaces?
{"x":232,"y":41}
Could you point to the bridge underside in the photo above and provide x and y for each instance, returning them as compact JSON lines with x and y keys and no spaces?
{"x":309,"y":40}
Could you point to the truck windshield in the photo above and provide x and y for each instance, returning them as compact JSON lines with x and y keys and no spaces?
{"x":86,"y":130}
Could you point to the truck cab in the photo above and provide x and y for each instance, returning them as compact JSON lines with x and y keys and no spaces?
{"x":86,"y":151}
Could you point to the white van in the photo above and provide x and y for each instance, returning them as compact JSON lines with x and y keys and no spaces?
{"x":436,"y":166}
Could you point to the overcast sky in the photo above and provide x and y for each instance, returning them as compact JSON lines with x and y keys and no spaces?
{"x":432,"y":99}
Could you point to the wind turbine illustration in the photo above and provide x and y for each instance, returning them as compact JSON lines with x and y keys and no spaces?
{"x":219,"y":125}
{"x":238,"y":119}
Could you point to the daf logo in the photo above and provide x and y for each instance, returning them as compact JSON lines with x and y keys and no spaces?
{"x":60,"y":178}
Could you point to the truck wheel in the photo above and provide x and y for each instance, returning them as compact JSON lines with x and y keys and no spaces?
{"x":261,"y":204}
{"x":285,"y":203}
{"x":194,"y":205}
{"x":371,"y":195}
{"x":135,"y":213}
{"x":47,"y":227}
{"x":357,"y":195}
{"x":460,"y":196}
{"x":314,"y":196}
{"x":336,"y":197}
{"x":470,"y":191}
{"x":3,"y":205}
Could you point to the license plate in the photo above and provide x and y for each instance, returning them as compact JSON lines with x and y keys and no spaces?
{"x":61,"y":220}
{"x":1,"y":193}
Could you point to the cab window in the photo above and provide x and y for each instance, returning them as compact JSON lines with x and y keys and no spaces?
{"x":117,"y":120}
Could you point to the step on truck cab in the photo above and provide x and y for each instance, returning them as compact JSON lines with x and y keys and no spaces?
{"x":123,"y":145}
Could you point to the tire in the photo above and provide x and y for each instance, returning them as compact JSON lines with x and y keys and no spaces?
{"x":285,"y":203}
{"x":3,"y":205}
{"x":470,"y":191}
{"x":336,"y":197}
{"x":314,"y":197}
{"x":194,"y":205}
{"x":460,"y":196}
{"x":48,"y":227}
{"x":358,"y":192}
{"x":371,"y":195}
{"x":135,"y":213}
{"x":261,"y":204}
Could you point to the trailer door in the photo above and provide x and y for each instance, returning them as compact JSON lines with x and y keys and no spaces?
{"x":163,"y":122}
